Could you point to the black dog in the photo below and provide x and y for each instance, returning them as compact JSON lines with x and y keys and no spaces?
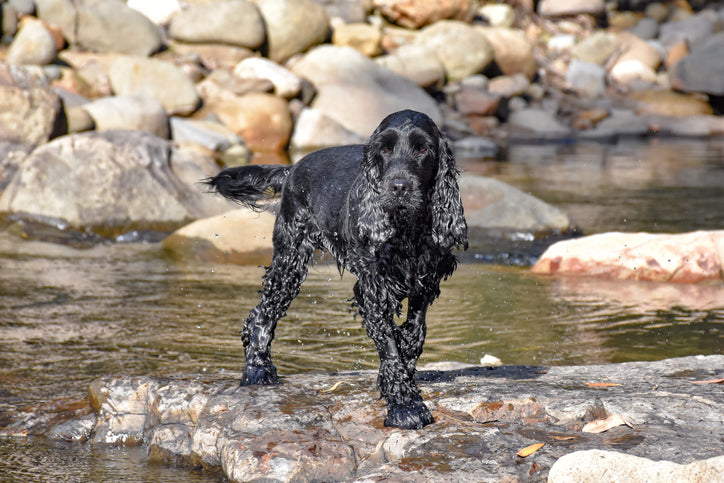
{"x":390,"y":212}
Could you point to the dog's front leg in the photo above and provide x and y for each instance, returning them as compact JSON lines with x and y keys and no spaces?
{"x":412,"y":333}
{"x":405,"y":408}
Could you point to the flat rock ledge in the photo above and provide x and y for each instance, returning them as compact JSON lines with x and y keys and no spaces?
{"x":326,"y":427}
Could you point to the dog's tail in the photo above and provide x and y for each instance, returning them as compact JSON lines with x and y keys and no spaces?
{"x":250,"y":184}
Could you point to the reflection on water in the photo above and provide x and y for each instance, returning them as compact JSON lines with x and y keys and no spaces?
{"x":68,"y":316}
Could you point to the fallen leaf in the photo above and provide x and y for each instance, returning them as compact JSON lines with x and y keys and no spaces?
{"x":601,"y":425}
{"x":601,"y":384}
{"x":710,"y":381}
{"x":334,"y":387}
{"x":529,"y":450}
{"x":534,"y":468}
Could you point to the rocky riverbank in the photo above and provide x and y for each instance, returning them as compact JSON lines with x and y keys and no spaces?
{"x":197,"y":85}
{"x":630,"y":422}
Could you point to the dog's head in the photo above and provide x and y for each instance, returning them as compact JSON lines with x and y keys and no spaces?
{"x":411,"y":175}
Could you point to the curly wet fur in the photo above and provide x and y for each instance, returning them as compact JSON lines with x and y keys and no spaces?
{"x":389,"y":212}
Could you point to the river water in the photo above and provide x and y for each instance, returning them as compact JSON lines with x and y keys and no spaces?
{"x":70,"y":315}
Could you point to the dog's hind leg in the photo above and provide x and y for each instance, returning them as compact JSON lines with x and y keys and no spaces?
{"x":282,"y":281}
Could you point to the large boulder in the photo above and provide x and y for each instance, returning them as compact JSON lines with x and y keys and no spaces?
{"x":108,"y":182}
{"x":234,"y":22}
{"x":292,"y":26}
{"x":30,"y":112}
{"x":681,"y":258}
{"x":462,"y":49}
{"x":493,"y":205}
{"x":102,"y":25}
{"x":356,"y":92}
{"x":139,"y":76}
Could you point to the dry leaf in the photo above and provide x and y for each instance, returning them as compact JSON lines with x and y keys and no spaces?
{"x":710,"y":381}
{"x":564,"y":438}
{"x":601,"y":425}
{"x":529,"y":450}
{"x":334,"y":387}
{"x":601,"y":384}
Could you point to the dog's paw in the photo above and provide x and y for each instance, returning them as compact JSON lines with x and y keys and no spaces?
{"x":259,"y":375}
{"x":414,"y":416}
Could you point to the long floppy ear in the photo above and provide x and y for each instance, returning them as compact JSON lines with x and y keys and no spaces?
{"x":374,"y":224}
{"x":449,"y":229}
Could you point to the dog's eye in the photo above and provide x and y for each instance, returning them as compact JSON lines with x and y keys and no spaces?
{"x":422,"y":151}
{"x":385,"y":150}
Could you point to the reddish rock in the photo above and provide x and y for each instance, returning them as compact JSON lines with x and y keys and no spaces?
{"x":418,"y":13}
{"x":679,"y":258}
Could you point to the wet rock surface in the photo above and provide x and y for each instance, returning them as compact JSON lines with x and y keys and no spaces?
{"x":329,"y":427}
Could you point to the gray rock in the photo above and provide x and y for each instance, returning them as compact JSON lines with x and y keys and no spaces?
{"x":161,"y":80}
{"x":647,"y":28}
{"x":102,"y":25}
{"x":328,"y":426}
{"x":235,"y":22}
{"x":292,"y":26}
{"x":461,"y":49}
{"x":621,"y":123}
{"x":351,"y":11}
{"x":586,"y":77}
{"x":356,"y":92}
{"x":8,"y":20}
{"x":479,"y":147}
{"x":128,"y":112}
{"x":32,"y":45}
{"x":693,"y":30}
{"x":703,"y":69}
{"x":536,"y":124}
{"x":209,"y":134}
{"x":493,"y":205}
{"x":30,"y":112}
{"x":11,"y":155}
{"x":595,"y":465}
{"x":23,"y":7}
{"x":133,"y":186}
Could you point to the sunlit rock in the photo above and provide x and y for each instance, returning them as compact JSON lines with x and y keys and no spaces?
{"x":239,"y":236}
{"x":328,"y":426}
{"x":680,"y":258}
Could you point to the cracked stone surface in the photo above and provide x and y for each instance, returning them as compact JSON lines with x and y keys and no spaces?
{"x":328,"y":427}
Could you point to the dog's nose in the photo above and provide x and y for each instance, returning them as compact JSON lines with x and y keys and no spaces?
{"x":400,"y":187}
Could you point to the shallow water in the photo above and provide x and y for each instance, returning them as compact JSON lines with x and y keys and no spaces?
{"x":70,"y":315}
